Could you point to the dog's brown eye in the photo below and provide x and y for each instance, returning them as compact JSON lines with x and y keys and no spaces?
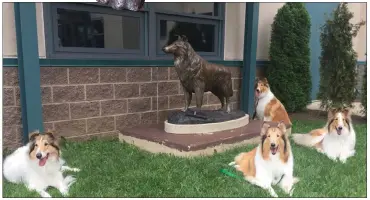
{"x":36,"y":145}
{"x":278,"y":135}
{"x":336,"y":119}
{"x":46,"y":144}
{"x":269,"y":136}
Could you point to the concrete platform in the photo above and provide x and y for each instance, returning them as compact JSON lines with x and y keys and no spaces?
{"x":154,"y":139}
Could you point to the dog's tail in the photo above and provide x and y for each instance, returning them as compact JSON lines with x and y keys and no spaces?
{"x":238,"y":159}
{"x":307,"y":140}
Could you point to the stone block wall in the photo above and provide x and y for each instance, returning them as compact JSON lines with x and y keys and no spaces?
{"x":12,"y":120}
{"x":81,"y":102}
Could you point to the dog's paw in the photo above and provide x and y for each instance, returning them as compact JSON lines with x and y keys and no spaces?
{"x":351,"y":153}
{"x":295,"y":180}
{"x":291,"y":192}
{"x":320,"y":150}
{"x":334,"y":158}
{"x":272,"y":192}
{"x":232,"y":163}
{"x":274,"y":195}
{"x":64,"y":191}
{"x":75,"y":169}
{"x":343,"y":160}
{"x":69,"y":180}
{"x":45,"y":195}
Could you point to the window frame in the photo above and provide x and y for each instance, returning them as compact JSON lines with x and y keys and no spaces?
{"x":149,"y":19}
{"x":160,"y":17}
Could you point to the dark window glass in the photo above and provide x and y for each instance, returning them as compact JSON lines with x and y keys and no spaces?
{"x":200,"y":36}
{"x":209,"y":9}
{"x":96,"y":30}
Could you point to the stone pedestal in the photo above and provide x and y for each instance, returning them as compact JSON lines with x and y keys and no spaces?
{"x":195,"y":133}
{"x":204,"y":122}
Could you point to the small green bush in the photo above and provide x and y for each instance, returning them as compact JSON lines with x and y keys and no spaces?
{"x":289,"y":70}
{"x":338,"y":59}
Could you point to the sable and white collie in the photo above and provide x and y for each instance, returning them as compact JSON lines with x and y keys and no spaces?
{"x":268,"y":107}
{"x":337,"y":139}
{"x":38,"y":165}
{"x":270,"y":163}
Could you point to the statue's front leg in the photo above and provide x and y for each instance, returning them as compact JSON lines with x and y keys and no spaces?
{"x":188,"y":96}
{"x":227,"y":105}
{"x":199,"y":91}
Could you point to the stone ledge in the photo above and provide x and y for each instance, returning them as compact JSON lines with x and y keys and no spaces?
{"x":154,"y":147}
{"x":192,"y":142}
{"x":154,"y":139}
{"x":209,"y":128}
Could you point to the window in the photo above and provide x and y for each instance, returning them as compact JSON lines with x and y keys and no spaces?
{"x":200,"y":36}
{"x":209,"y":9}
{"x":90,"y":30}
{"x":95,"y":30}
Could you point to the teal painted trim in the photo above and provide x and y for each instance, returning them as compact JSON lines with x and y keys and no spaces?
{"x":12,"y":62}
{"x":361,"y":62}
{"x":28,"y":67}
{"x":221,"y":37}
{"x":250,"y":54}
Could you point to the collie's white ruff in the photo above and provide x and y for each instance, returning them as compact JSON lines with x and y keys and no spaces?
{"x":271,"y":172}
{"x":333,"y":145}
{"x":19,"y":168}
{"x":263,"y":100}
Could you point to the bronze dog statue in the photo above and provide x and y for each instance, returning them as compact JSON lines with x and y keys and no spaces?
{"x":199,"y":76}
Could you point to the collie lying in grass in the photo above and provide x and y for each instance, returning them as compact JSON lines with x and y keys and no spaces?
{"x":270,"y":163}
{"x":38,"y":165}
{"x":336,"y":139}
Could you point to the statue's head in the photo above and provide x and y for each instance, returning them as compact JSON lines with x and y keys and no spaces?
{"x":178,"y":47}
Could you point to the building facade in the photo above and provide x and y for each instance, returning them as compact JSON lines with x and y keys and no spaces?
{"x":99,"y":70}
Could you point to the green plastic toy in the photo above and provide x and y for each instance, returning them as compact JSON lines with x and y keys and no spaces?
{"x":228,"y":173}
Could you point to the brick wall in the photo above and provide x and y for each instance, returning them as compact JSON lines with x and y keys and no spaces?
{"x":12,"y":122}
{"x":80,"y":102}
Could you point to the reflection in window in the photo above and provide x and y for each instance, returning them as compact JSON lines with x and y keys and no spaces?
{"x":95,"y":30}
{"x":200,"y":36}
{"x":188,"y":7}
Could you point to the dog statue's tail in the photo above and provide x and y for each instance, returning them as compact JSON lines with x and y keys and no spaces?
{"x":307,"y":140}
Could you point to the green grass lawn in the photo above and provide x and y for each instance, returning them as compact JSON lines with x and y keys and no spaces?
{"x":112,"y":169}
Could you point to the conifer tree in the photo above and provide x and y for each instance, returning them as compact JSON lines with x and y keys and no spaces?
{"x":338,"y":59}
{"x":289,"y":70}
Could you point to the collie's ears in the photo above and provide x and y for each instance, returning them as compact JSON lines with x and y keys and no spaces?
{"x":281,"y":126}
{"x":265,"y":127}
{"x":264,"y":80}
{"x":50,"y":134}
{"x":347,"y":113}
{"x":36,"y":133}
{"x":331,"y":112}
{"x":33,"y":135}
